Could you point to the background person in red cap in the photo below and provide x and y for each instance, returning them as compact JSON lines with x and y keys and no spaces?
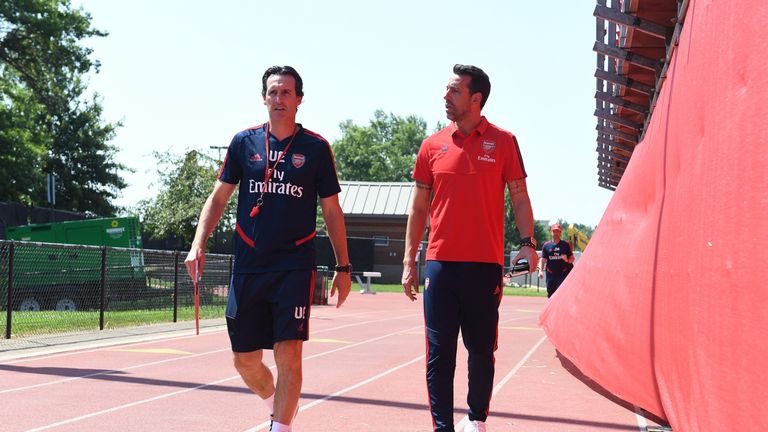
{"x":557,"y":259}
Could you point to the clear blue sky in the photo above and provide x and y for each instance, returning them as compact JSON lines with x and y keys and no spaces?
{"x":186,"y":75}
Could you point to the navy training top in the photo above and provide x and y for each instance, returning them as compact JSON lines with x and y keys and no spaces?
{"x":555,"y":254}
{"x":280,"y":236}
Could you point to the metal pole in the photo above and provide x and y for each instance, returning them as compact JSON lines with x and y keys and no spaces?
{"x":103,"y":287}
{"x":231,"y":259}
{"x":175,"y":285}
{"x":9,"y":309}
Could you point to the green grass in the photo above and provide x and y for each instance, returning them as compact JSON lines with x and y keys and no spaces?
{"x":49,"y":322}
{"x":508,"y":291}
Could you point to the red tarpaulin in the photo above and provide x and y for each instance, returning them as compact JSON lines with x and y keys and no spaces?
{"x":667,"y":308}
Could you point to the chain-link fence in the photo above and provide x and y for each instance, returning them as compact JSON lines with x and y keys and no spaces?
{"x":52,"y":288}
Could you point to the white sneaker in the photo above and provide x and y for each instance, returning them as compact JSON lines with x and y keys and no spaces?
{"x":474,"y":426}
{"x":272,"y":417}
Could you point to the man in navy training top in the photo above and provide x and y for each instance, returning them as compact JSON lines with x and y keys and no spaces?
{"x":281,"y":169}
{"x":557,"y":258}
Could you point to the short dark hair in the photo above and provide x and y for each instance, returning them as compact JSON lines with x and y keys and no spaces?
{"x":478,"y":80}
{"x":282,"y":70}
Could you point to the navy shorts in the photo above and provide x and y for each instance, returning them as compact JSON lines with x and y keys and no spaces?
{"x":264,"y":308}
{"x":553,"y":283}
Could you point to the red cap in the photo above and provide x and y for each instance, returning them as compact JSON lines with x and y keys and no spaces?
{"x":555,"y":227}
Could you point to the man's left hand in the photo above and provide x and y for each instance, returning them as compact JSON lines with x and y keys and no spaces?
{"x":342,"y":282}
{"x":529,"y":254}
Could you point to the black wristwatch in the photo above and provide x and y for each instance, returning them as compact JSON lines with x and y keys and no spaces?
{"x":528,"y":241}
{"x":343,"y":269}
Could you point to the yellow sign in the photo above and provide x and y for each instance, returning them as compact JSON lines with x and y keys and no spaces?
{"x":577,"y":238}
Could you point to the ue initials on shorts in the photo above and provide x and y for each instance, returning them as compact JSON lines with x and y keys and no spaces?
{"x":300,"y":312}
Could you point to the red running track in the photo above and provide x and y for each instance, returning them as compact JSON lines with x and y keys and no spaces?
{"x":363,"y":371}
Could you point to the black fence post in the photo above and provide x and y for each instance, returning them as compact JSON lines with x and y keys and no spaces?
{"x":175,"y":285}
{"x":103,"y":286}
{"x":9,"y":309}
{"x":229,"y":280}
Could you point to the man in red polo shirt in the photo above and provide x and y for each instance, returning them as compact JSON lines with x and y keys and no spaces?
{"x":461,"y":173}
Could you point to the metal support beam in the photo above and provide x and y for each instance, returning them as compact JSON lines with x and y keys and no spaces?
{"x":612,"y":158}
{"x":603,"y":151}
{"x":642,"y":25}
{"x":605,"y":114}
{"x":629,"y":57}
{"x":617,"y":133}
{"x":619,"y":102}
{"x":608,"y":142}
{"x":608,"y":180}
{"x":608,"y":156}
{"x":611,"y":168}
{"x":623,"y":81}
{"x":610,"y":174}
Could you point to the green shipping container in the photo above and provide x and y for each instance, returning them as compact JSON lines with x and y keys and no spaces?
{"x":69,"y":278}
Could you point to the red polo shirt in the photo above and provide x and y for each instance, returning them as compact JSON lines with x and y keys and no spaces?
{"x":468,"y":177}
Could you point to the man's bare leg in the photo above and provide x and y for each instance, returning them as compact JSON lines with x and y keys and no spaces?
{"x":289,"y":378}
{"x":255,"y":373}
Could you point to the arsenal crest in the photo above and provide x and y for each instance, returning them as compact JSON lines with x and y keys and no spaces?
{"x":298,"y":160}
{"x":488,"y":146}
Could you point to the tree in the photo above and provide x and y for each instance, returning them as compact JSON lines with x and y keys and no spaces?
{"x":22,"y":149}
{"x":585,"y":229}
{"x":47,"y":124}
{"x":185,"y":183}
{"x":383,"y":151}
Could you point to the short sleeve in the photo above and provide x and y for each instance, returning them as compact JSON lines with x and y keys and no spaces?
{"x":327,"y":179}
{"x":422,"y":172}
{"x":513,"y":165}
{"x":231,"y":171}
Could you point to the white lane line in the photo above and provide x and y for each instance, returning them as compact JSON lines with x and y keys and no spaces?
{"x":110,"y":372}
{"x":113,"y":371}
{"x":178,"y":338}
{"x":108,"y":343}
{"x":317,"y":314}
{"x":132,"y":404}
{"x":166,"y":395}
{"x":163,"y":396}
{"x":498,"y":387}
{"x":265,"y":425}
{"x":367,"y":341}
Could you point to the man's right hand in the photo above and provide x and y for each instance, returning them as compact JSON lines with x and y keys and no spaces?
{"x":410,"y":281}
{"x":195,"y":262}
